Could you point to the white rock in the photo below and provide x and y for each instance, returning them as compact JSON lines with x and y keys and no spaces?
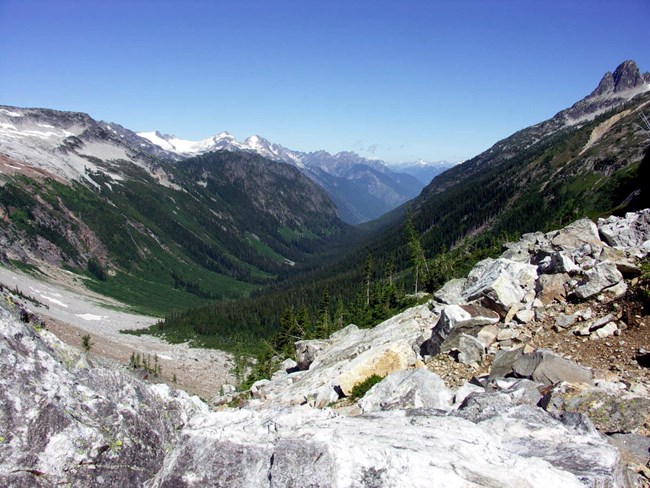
{"x":349,"y":355}
{"x":416,"y":388}
{"x":299,"y":447}
{"x":500,"y":282}
{"x":525,"y":316}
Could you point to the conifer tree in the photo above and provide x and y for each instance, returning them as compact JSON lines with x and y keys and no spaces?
{"x":367,"y":278}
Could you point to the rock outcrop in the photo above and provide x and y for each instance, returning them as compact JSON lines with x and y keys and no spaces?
{"x":65,"y":423}
{"x":529,"y":416}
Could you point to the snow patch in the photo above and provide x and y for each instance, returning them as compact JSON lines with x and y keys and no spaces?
{"x":9,"y":113}
{"x":90,"y":316}
{"x":54,"y":301}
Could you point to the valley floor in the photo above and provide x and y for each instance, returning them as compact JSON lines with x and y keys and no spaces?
{"x":71,"y":311}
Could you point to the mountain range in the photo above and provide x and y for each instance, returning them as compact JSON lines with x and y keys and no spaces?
{"x":589,"y":160}
{"x":158,"y":214}
{"x":96,"y":198}
{"x":362,"y":189}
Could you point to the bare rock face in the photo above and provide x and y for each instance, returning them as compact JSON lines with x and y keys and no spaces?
{"x":305,"y":447}
{"x":63,"y":423}
{"x":350,"y":356}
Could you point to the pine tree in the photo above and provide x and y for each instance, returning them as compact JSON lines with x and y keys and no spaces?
{"x":420,"y":267}
{"x":323,"y":327}
{"x":367,"y":278}
{"x":339,"y":314}
{"x":304,"y":324}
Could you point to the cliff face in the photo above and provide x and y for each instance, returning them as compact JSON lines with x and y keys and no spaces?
{"x":529,"y":417}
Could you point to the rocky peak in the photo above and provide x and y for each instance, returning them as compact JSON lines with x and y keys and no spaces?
{"x":625,"y":77}
{"x":614,"y":89}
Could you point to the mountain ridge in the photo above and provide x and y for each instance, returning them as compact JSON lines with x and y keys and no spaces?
{"x":361,"y":188}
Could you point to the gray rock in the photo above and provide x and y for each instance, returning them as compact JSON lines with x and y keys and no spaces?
{"x":351,"y":356}
{"x":76,"y":426}
{"x":635,"y":444}
{"x":456,"y":320}
{"x":416,"y":388}
{"x":544,"y":366}
{"x":503,"y":363}
{"x":257,"y":388}
{"x":307,"y":351}
{"x":228,"y":389}
{"x":597,"y":279}
{"x":607,"y":330}
{"x":555,"y":262}
{"x":576,"y":235}
{"x":565,"y":320}
{"x":507,"y":334}
{"x":451,"y":292}
{"x":487,"y":335}
{"x":470,"y":350}
{"x":609,"y":411}
{"x":551,"y":288}
{"x":464,"y":391}
{"x":305,"y":447}
{"x":520,"y":390}
{"x":631,"y":231}
{"x":499,"y":283}
{"x":477,"y":407}
{"x":525,"y":316}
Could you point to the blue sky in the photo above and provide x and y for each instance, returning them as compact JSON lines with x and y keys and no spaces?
{"x":398,"y":80}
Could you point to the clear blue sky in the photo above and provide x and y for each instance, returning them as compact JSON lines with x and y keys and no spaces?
{"x":398,"y":80}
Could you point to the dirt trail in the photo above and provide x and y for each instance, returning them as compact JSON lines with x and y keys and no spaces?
{"x":71,"y":311}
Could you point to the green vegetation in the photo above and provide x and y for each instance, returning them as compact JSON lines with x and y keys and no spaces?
{"x":165,"y":249}
{"x":86,"y":343}
{"x":360,"y":389}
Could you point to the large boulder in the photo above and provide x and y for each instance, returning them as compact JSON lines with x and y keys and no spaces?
{"x":350,"y":356}
{"x":454,"y":321}
{"x":416,"y":388}
{"x":308,"y":350}
{"x":544,"y":366}
{"x":576,"y":235}
{"x":610,"y":411}
{"x":631,"y":231}
{"x":598,"y":279}
{"x":306,"y":447}
{"x":379,"y":361}
{"x":551,"y":288}
{"x":499,"y":283}
{"x":451,"y":293}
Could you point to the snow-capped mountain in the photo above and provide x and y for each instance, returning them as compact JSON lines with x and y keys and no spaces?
{"x":362,"y":189}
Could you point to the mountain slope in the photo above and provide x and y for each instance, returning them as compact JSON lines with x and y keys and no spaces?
{"x":362,"y":189}
{"x":161,"y":234}
{"x":548,"y":174}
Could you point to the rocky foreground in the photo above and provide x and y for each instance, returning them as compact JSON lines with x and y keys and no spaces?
{"x":469,"y":396}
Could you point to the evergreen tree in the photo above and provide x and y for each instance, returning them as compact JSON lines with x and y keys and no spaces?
{"x":303,"y":321}
{"x":323,"y":327}
{"x":339,"y":314}
{"x":420,"y":267}
{"x":367,"y":278}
